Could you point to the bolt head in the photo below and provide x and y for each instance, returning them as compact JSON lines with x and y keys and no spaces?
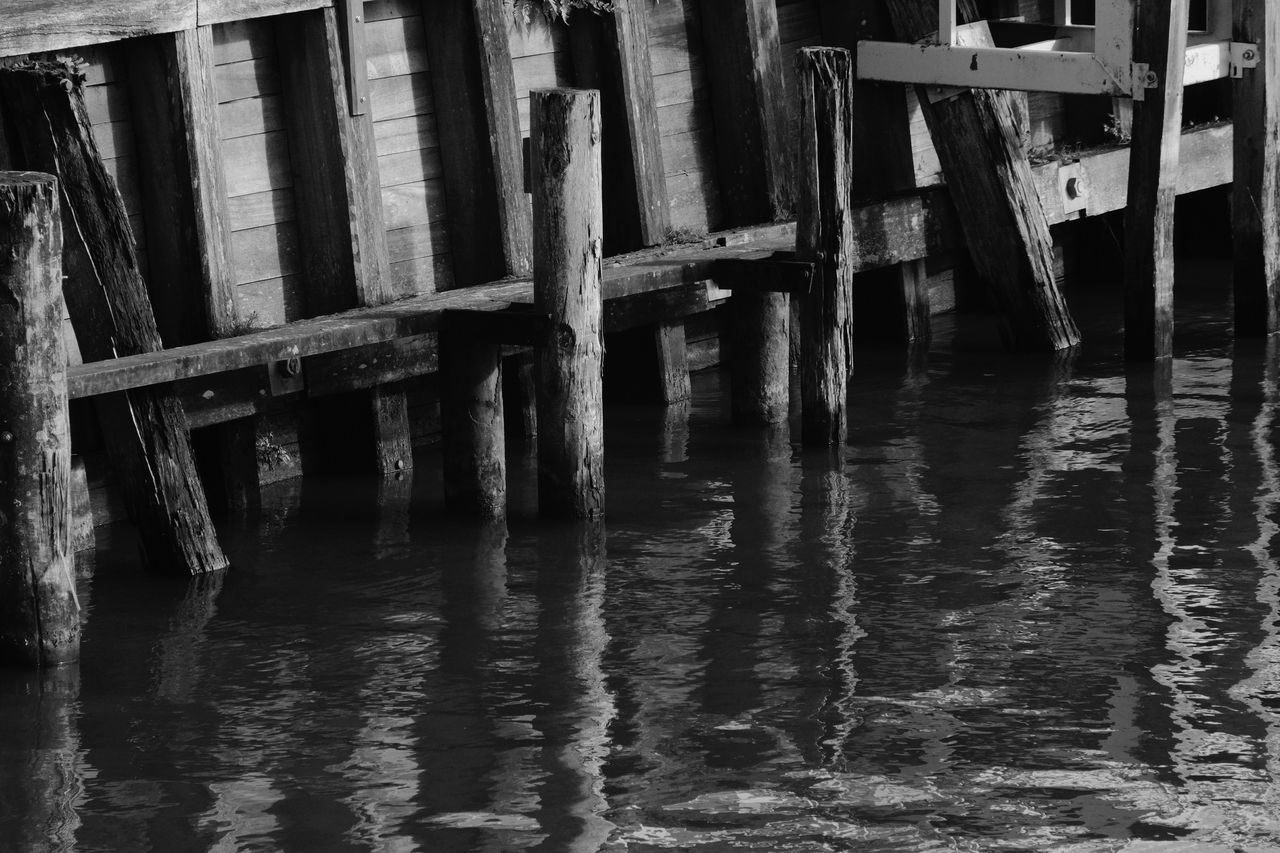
{"x":6,"y":437}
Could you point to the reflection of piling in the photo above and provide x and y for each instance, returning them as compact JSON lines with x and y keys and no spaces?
{"x":568,"y":224}
{"x":39,"y":614}
{"x":824,"y":233}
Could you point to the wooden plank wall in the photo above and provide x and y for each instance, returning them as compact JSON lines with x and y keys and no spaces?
{"x":255,"y":150}
{"x":684,"y":116}
{"x":405,"y":138}
{"x":539,"y":59}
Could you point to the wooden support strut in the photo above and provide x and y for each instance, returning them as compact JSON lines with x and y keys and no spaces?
{"x":567,"y":253}
{"x":39,"y":612}
{"x":112,"y":317}
{"x":336,"y":183}
{"x":1255,"y":214}
{"x":1001,"y":215}
{"x":1160,"y":41}
{"x":824,"y":233}
{"x":611,"y":53}
{"x":748,"y":99}
{"x":474,"y":442}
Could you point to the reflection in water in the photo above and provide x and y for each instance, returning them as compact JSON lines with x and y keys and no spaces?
{"x":1036,"y":606}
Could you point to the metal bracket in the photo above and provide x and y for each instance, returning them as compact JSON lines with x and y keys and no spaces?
{"x":286,"y":376}
{"x":351,"y":24}
{"x":1143,"y":79}
{"x":1243,"y":55}
{"x":1073,"y":188}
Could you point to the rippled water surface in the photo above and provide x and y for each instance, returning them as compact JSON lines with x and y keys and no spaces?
{"x":1033,"y":605}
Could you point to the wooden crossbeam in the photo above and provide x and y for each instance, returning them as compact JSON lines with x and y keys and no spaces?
{"x":893,"y":231}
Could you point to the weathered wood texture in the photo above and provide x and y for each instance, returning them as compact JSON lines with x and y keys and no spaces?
{"x":192,"y":284}
{"x":479,"y":130}
{"x":1160,"y":40}
{"x":900,"y":229}
{"x":188,"y":221}
{"x":343,"y":243}
{"x":475,"y":467}
{"x":611,"y":53}
{"x":224,"y":11}
{"x":1256,"y":197}
{"x":760,"y":384}
{"x":991,"y":185}
{"x":109,"y":308}
{"x":567,"y":253}
{"x":673,"y":361}
{"x":31,"y":26}
{"x":254,"y":148}
{"x":681,"y":96}
{"x":882,"y":159}
{"x":408,"y":143}
{"x":39,"y":612}
{"x":744,"y":69}
{"x":823,"y":231}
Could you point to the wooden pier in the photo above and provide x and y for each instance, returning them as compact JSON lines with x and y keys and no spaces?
{"x":308,"y":232}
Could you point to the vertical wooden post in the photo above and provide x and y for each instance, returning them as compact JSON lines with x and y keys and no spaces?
{"x":1255,"y":198}
{"x":611,"y":53}
{"x":824,"y":233}
{"x":567,"y":251}
{"x":39,"y":613}
{"x":748,"y":98}
{"x":108,"y":304}
{"x":1160,"y":41}
{"x":192,"y":284}
{"x":991,"y":185}
{"x":760,"y":382}
{"x":882,"y":162}
{"x":475,"y":465}
{"x":341,"y":226}
{"x":519,"y":381}
{"x":673,"y":361}
{"x":475,"y":99}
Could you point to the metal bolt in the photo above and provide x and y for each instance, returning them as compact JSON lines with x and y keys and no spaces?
{"x":1075,"y":189}
{"x":1250,"y":56}
{"x":292,"y":366}
{"x":1151,"y":80}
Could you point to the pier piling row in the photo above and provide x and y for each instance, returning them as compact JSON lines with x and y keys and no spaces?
{"x":300,"y":232}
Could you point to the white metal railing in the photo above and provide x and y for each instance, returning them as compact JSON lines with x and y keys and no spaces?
{"x":1078,"y":59}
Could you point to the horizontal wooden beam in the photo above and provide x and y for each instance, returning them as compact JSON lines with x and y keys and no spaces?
{"x":893,"y":231}
{"x":30,"y":26}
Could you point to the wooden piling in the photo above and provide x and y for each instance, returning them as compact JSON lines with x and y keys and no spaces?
{"x":1255,"y":108}
{"x":567,"y":245}
{"x":474,"y":444}
{"x":673,"y":361}
{"x":824,"y":233}
{"x":109,"y":309}
{"x":39,"y":613}
{"x":760,"y":383}
{"x":991,"y":184}
{"x":1160,"y":41}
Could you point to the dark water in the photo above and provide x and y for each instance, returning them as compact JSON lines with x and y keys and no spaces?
{"x":1034,"y":606}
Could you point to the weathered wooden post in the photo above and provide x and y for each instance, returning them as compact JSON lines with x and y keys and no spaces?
{"x":475,"y":464}
{"x":111,"y":313}
{"x":760,"y":384}
{"x":567,"y":246}
{"x":1160,"y":41}
{"x":39,"y":612}
{"x":824,"y":233}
